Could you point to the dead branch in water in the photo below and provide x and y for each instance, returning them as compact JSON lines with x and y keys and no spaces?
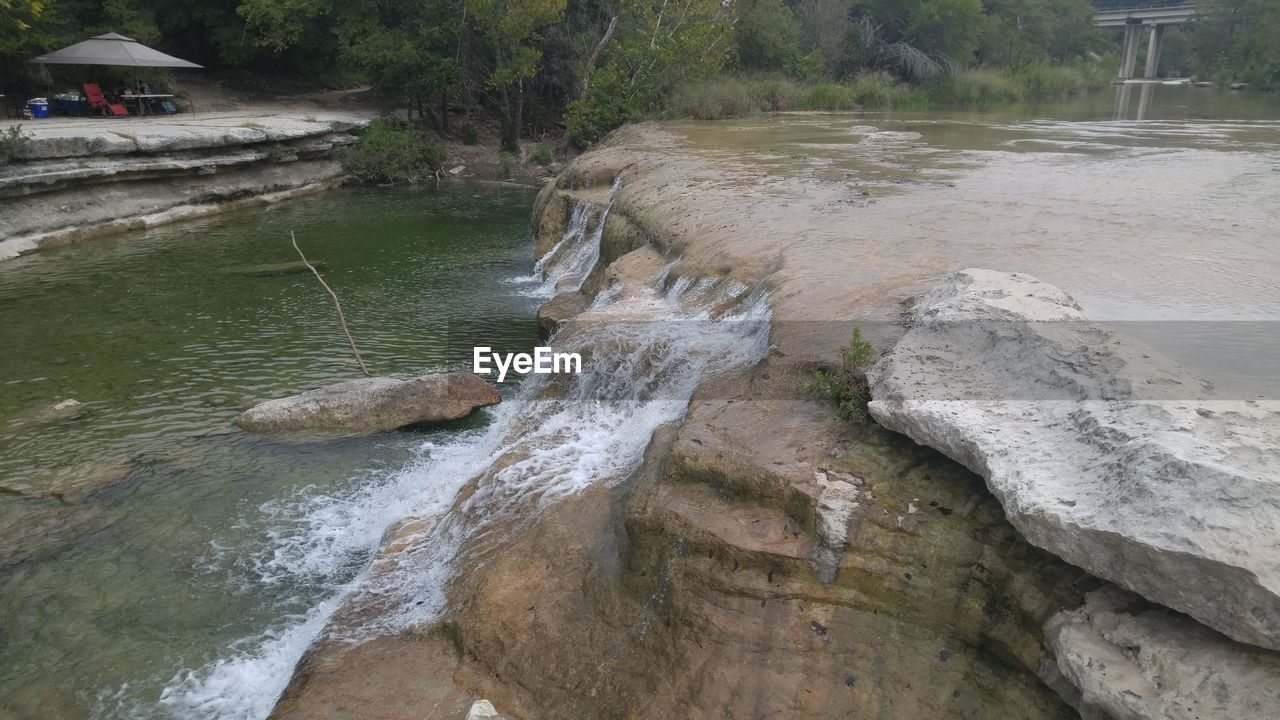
{"x":341,"y":318}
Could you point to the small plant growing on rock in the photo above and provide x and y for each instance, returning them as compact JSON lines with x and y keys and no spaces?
{"x":13,"y":143}
{"x":848,"y":384}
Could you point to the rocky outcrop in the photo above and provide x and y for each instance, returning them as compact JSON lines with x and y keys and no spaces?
{"x":373,"y":404}
{"x":561,"y":309}
{"x":1123,"y":658}
{"x":1101,"y":451}
{"x":79,"y":179}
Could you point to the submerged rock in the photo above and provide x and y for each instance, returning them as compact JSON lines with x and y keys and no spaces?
{"x":68,"y":484}
{"x":1101,"y":451}
{"x":58,"y":412}
{"x":374,"y":404}
{"x":1124,"y":658}
{"x":274,"y":269}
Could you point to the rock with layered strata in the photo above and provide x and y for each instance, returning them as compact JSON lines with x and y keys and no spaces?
{"x":374,"y":404}
{"x":1100,"y":450}
{"x":1120,"y":657}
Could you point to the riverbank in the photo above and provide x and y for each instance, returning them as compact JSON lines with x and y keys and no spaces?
{"x":74,"y":179}
{"x":760,"y":556}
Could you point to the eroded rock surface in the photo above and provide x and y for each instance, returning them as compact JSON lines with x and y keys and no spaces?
{"x":1126,"y":659}
{"x":1101,"y":451}
{"x":373,"y":404}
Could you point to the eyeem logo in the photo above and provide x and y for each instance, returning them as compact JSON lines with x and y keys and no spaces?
{"x":542,"y":362}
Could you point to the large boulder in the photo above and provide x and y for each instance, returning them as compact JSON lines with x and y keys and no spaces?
{"x":1119,"y":657}
{"x":374,"y":404}
{"x":1101,"y":451}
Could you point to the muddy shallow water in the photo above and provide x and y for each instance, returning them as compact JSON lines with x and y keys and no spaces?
{"x":1167,"y":226}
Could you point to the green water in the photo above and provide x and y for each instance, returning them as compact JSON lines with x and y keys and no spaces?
{"x":105,"y":597}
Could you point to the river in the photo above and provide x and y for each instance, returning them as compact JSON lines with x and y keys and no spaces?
{"x":189,"y":587}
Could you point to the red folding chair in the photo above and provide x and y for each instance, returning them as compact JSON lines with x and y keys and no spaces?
{"x":98,"y":103}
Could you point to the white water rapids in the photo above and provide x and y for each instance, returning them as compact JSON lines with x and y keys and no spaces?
{"x":644,"y":354}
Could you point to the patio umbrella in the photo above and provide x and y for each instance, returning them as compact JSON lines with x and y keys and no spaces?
{"x":112,"y":49}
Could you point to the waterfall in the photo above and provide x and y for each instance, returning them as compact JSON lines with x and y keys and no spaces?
{"x":645,"y":352}
{"x":576,"y":253}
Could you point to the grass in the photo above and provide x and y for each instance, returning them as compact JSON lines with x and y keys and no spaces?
{"x":509,"y":163}
{"x":541,"y":155}
{"x":847,"y":385}
{"x":731,"y":96}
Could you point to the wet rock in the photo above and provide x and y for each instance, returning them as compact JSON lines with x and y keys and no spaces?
{"x":374,"y":404}
{"x":1101,"y":451}
{"x":274,"y":269}
{"x":1126,"y":659}
{"x":53,"y":414}
{"x":560,"y":309}
{"x":482,"y":710}
{"x":68,"y":484}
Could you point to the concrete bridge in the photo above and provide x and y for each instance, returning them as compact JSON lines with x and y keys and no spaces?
{"x":1133,"y":20}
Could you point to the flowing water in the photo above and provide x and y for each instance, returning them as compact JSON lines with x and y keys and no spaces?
{"x":190,"y":585}
{"x":212,"y":536}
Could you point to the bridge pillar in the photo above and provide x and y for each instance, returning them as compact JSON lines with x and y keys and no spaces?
{"x":1153,"y":51}
{"x":1129,"y":52}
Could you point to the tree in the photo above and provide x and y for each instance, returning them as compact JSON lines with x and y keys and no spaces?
{"x":658,"y":43}
{"x":510,"y":30}
{"x":407,"y":49}
{"x":947,"y":27}
{"x":768,"y":36}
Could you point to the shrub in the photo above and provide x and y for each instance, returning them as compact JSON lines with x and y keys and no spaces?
{"x":392,"y":153}
{"x":848,"y":384}
{"x":1049,"y":82}
{"x":827,"y":96}
{"x":542,"y":155}
{"x":509,"y":163}
{"x":470,"y":135}
{"x":975,"y":87}
{"x":13,"y":143}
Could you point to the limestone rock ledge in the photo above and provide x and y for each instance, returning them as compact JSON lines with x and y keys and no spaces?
{"x":1101,"y":451}
{"x":1127,"y":659}
{"x":79,"y":179}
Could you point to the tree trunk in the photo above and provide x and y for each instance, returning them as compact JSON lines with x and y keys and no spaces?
{"x":585,"y":81}
{"x":512,"y":109}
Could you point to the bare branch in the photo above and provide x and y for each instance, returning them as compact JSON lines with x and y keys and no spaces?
{"x":341,"y":318}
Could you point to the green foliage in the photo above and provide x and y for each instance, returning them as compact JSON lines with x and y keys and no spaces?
{"x":726,"y":97}
{"x":768,"y":36}
{"x":509,"y":161}
{"x":1237,"y":40}
{"x":647,"y":58}
{"x":13,"y":143}
{"x":541,"y":155}
{"x":847,"y":386}
{"x":949,"y":28}
{"x":389,"y":152}
{"x":470,"y":136}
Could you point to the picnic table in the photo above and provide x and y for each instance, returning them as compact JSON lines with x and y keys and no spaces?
{"x":139,"y":98}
